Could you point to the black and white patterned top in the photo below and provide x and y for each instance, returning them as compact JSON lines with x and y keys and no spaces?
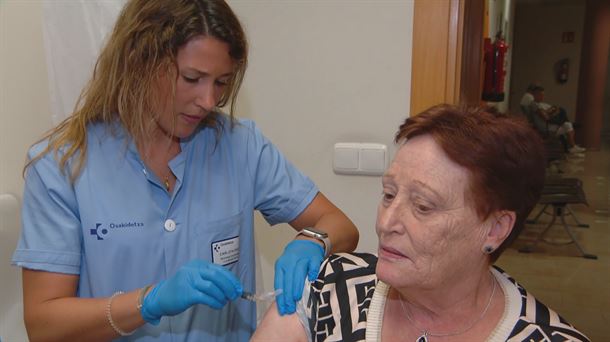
{"x":346,"y":303}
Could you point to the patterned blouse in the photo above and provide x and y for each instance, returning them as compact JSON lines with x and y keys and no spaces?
{"x":346,"y":303}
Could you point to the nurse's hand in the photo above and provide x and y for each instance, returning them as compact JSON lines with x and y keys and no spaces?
{"x":197,"y":282}
{"x":300,"y":258}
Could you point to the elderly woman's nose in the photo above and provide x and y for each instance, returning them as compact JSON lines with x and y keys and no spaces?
{"x":389,"y":218}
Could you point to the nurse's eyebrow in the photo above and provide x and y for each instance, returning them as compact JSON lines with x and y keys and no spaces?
{"x":203,"y":73}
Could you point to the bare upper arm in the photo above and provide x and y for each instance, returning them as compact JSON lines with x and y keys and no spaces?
{"x":42,"y":286}
{"x":324,"y":215}
{"x":274,"y":327}
{"x":319,"y":206}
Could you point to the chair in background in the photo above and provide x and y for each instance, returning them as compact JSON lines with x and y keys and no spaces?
{"x":558,"y":193}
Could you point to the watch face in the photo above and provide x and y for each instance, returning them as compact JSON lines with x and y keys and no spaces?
{"x":314,"y":232}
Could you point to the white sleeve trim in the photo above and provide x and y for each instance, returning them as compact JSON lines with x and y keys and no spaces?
{"x":512,"y":309}
{"x":374,"y":320}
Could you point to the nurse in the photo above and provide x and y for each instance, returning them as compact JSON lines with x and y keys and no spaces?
{"x":138,"y":208}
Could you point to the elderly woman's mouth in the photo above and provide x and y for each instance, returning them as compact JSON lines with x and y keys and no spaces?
{"x":390,"y":253}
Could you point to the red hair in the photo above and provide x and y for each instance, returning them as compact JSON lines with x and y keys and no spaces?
{"x":504,"y":156}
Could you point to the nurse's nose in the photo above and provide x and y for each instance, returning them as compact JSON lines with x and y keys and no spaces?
{"x":206,"y":98}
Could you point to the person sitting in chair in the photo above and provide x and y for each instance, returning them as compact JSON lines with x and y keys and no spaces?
{"x":547,"y":118}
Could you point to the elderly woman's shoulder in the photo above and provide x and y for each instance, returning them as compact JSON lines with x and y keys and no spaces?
{"x":351,"y":261}
{"x":534,"y":320}
{"x":347,"y":265}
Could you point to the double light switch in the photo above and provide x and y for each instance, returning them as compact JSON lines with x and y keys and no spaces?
{"x":360,"y":159}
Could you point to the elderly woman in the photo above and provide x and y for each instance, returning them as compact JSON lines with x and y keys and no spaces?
{"x":457,"y":193}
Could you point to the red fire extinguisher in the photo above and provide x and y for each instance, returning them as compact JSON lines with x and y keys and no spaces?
{"x":494,"y":54}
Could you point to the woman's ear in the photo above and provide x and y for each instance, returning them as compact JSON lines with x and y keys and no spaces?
{"x":502,"y":224}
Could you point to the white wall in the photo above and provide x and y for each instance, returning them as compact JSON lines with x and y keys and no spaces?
{"x":537,"y":47}
{"x":323,"y":72}
{"x":320,"y":72}
{"x":24,"y":116}
{"x":24,"y":100}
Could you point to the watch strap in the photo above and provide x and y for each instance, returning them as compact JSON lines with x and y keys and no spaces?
{"x":318,"y":235}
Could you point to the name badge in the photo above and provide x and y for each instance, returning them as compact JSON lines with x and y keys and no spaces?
{"x":225,"y":252}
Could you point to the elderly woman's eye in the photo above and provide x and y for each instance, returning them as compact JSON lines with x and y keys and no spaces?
{"x":423,"y":208}
{"x":387,"y":196}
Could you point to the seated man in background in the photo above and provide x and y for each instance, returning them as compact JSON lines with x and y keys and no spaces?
{"x":547,"y":118}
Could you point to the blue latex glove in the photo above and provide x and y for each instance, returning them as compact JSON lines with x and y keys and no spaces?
{"x":197,"y":282}
{"x":300,"y":258}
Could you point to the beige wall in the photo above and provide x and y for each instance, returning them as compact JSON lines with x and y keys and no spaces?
{"x":24,"y":116}
{"x":24,"y":99}
{"x":537,"y":47}
{"x":323,"y":72}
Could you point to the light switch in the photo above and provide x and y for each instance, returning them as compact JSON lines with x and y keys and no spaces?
{"x":360,"y":159}
{"x":372,"y":160}
{"x":346,"y":157}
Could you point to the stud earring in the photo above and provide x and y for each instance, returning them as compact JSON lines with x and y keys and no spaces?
{"x":488,"y":250}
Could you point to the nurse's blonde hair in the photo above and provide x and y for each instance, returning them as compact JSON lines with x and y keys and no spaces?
{"x":126,"y":80}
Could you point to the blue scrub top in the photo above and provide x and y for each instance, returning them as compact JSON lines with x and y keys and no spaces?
{"x":119,"y":229}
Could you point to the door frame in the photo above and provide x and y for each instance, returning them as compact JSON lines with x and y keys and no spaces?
{"x":447,"y":53}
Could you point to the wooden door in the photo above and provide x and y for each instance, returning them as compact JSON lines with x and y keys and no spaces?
{"x":447,"y":53}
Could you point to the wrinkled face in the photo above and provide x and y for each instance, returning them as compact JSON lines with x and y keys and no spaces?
{"x":429,"y":233}
{"x":204,"y":70}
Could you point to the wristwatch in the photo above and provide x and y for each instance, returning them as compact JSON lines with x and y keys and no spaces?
{"x":318,"y":235}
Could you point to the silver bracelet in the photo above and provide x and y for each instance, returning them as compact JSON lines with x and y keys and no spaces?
{"x":109,"y":316}
{"x":141,"y":296}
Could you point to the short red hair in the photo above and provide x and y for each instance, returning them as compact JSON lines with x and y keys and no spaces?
{"x":504,"y":156}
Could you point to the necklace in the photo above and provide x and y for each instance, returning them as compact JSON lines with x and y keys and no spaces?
{"x":151,"y":162}
{"x":166,"y":183}
{"x":425,"y":333}
{"x":165,"y":178}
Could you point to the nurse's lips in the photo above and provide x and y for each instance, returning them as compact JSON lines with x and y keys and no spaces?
{"x":390,"y":253}
{"x":193,"y":119}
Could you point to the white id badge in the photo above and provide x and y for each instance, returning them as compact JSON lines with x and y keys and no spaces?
{"x":225,"y":252}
